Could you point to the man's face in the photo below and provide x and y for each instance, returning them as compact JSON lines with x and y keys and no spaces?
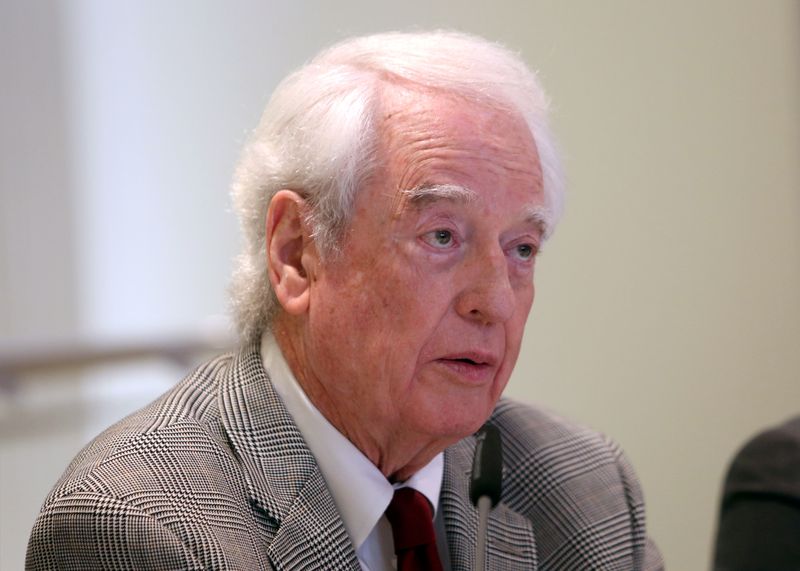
{"x":416,"y":326}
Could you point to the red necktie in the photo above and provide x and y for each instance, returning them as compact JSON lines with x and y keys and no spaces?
{"x":411,"y":517}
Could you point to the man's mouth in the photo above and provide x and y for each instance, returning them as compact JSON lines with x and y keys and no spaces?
{"x":471,"y":358}
{"x":472,"y":366}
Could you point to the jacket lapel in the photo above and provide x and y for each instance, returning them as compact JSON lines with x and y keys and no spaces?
{"x":510,"y":540}
{"x":283,"y":480}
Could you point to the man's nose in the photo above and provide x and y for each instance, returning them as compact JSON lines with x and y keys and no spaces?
{"x":487,"y":295}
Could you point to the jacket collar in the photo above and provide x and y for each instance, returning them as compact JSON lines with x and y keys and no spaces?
{"x":283,"y":480}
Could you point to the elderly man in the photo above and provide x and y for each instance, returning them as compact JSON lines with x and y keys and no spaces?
{"x":393,"y":200}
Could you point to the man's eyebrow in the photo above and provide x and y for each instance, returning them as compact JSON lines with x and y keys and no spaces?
{"x":427,"y":193}
{"x":537,"y":215}
{"x":540,"y":217}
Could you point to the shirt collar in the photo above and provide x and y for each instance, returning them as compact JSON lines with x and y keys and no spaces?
{"x":359,"y":489}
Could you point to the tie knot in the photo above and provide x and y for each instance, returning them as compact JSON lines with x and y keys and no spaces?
{"x":411,"y":516}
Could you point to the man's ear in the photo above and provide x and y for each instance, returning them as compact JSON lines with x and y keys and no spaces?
{"x":290,"y":251}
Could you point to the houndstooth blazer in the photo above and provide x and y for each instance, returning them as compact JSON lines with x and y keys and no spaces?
{"x":215,"y":475}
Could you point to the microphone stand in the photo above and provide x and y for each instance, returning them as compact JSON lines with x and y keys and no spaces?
{"x":484,"y":506}
{"x":486,"y":484}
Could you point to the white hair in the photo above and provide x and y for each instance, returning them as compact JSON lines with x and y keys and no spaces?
{"x":318,"y":136}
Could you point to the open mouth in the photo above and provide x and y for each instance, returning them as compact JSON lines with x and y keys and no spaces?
{"x":474,"y":358}
{"x":473,"y":367}
{"x":465,"y":360}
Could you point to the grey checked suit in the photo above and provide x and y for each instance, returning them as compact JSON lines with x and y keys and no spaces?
{"x":215,"y":475}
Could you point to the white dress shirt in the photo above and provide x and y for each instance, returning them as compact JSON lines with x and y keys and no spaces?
{"x":361,"y":492}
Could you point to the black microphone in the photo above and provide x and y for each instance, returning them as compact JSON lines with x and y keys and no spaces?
{"x":486,"y":483}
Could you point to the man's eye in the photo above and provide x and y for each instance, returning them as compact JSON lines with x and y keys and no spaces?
{"x":440,"y":238}
{"x":525,"y":251}
{"x":443,"y":237}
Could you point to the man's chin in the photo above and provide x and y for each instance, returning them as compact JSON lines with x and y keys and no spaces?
{"x":450,"y":428}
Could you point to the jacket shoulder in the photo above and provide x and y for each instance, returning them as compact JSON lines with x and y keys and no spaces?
{"x":544,"y":452}
{"x":190,"y":408}
{"x":576,"y":486}
{"x":769,"y":463}
{"x":166,"y":471}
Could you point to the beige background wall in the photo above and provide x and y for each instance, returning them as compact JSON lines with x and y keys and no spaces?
{"x":669,"y":300}
{"x":668,"y":309}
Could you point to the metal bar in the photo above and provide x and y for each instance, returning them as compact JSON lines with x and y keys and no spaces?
{"x":17,"y":361}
